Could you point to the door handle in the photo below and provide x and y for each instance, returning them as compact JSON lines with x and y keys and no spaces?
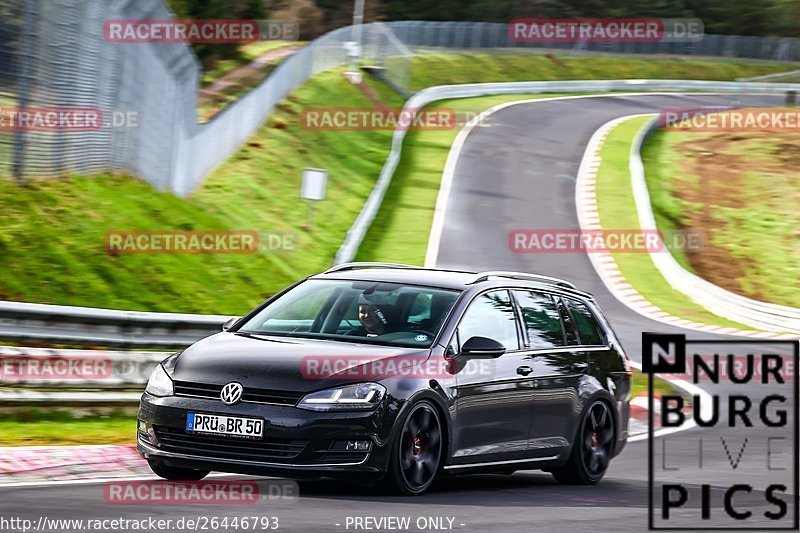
{"x":580,"y":367}
{"x":524,"y":370}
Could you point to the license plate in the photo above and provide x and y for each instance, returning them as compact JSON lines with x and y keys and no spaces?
{"x":227,"y":426}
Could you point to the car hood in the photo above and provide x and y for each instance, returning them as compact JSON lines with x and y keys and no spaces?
{"x":287,"y":364}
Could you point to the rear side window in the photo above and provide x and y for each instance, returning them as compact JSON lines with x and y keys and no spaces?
{"x":542,"y":319}
{"x":490,"y":315}
{"x":569,"y":327}
{"x":588,"y":329}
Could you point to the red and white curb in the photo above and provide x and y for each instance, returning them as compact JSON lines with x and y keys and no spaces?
{"x":37,"y":464}
{"x":639,"y":406}
{"x":604,"y":263}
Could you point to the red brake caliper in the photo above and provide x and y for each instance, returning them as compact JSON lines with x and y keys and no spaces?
{"x":417,"y":445}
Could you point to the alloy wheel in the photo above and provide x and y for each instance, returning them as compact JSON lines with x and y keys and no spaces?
{"x":420,"y":447}
{"x":598,"y":436}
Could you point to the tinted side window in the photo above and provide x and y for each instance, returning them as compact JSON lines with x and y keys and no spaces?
{"x":490,"y":315}
{"x":569,"y":326}
{"x":542,"y":319}
{"x":588,"y":329}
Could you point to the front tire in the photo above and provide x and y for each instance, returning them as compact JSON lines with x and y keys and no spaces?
{"x":416,"y":453}
{"x":174,"y":473}
{"x":592,"y":450}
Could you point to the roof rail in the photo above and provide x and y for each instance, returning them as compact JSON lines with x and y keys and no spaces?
{"x":354,"y":266}
{"x":483,"y":276}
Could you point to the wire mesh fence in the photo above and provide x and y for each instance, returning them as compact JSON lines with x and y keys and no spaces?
{"x":486,"y":36}
{"x":53,"y":55}
{"x":144,"y":93}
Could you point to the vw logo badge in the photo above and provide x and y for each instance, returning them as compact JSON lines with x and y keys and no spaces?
{"x":231,"y":393}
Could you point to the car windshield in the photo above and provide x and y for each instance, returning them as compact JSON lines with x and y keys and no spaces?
{"x":394,"y":314}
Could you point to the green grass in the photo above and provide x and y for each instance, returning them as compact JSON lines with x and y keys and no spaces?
{"x":474,"y":68}
{"x":617,"y":210}
{"x":753,"y":205}
{"x":52,"y":232}
{"x":61,"y":427}
{"x":660,"y":386}
{"x":224,"y":97}
{"x":52,"y":239}
{"x":246,"y":54}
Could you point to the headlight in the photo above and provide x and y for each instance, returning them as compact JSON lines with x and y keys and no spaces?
{"x":159,"y":383}
{"x":359,"y":397}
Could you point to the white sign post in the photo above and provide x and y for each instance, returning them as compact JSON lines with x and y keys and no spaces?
{"x":315,"y":184}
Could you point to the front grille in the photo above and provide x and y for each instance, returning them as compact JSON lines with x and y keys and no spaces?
{"x":205,"y":390}
{"x":177,"y":440}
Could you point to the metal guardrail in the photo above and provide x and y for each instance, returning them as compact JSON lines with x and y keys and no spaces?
{"x":82,"y":326}
{"x":493,"y":36}
{"x":48,"y":376}
{"x":355,"y":235}
{"x":28,"y":398}
{"x":95,"y":369}
{"x":760,"y":315}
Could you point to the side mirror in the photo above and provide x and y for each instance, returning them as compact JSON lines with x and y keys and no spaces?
{"x":482,"y":347}
{"x":230,"y":322}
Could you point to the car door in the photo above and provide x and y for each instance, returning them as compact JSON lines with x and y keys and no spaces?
{"x":557,"y":370}
{"x":493,"y":400}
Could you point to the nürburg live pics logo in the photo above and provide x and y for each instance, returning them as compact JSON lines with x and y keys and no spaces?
{"x":723,"y":445}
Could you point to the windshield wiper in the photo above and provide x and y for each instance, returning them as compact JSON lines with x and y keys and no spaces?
{"x":260,"y":336}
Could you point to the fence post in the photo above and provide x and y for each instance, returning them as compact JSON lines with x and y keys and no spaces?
{"x":24,"y":87}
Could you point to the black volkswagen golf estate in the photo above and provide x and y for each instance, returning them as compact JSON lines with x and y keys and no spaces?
{"x":396,"y":374}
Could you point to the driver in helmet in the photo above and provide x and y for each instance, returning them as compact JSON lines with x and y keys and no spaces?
{"x":372,"y":313}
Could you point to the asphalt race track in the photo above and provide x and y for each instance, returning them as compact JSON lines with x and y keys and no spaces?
{"x":516,"y":173}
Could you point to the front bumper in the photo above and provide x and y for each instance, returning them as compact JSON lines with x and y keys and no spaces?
{"x":296,"y":443}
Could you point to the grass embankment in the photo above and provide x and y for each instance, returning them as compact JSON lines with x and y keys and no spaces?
{"x":52,"y":233}
{"x":740,"y":191}
{"x":230,"y":79}
{"x":660,"y":386}
{"x":52,"y":246}
{"x":246,"y":55}
{"x":39,"y":427}
{"x":616,"y":207}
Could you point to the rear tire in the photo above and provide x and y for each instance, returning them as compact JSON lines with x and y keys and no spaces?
{"x":174,"y":473}
{"x":592,"y":450}
{"x":417,"y":451}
